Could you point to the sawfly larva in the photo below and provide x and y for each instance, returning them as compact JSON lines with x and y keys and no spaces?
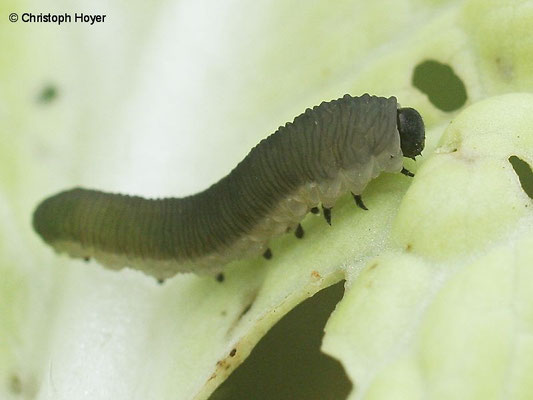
{"x":333,"y":148}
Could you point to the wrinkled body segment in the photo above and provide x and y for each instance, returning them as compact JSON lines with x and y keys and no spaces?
{"x":336,"y":147}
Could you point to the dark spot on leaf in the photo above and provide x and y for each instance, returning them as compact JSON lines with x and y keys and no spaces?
{"x":15,"y":384}
{"x":445,"y":90}
{"x":505,"y":68}
{"x":47,"y":94}
{"x":267,"y":254}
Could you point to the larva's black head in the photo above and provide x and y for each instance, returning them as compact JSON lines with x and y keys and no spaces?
{"x":412,"y":133}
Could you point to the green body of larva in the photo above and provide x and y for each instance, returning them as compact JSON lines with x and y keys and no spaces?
{"x":335,"y":147}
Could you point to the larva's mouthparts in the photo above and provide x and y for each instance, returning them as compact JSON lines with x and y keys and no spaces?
{"x":412,"y":132}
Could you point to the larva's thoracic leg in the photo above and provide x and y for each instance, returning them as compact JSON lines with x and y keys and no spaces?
{"x":315,"y":210}
{"x":327,"y":214}
{"x":407,"y":172}
{"x":160,"y":281}
{"x":86,"y":259}
{"x":220,"y":277}
{"x":267,"y":254}
{"x":299,"y":232}
{"x":359,"y":201}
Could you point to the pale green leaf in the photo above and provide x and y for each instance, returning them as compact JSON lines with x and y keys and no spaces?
{"x":164,"y":98}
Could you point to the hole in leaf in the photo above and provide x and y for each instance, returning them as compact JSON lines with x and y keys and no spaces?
{"x":48,"y":94}
{"x":525,"y":174}
{"x":287,"y":362}
{"x":445,"y":90}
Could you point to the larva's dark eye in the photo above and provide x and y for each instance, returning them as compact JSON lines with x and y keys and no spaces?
{"x":412,"y":133}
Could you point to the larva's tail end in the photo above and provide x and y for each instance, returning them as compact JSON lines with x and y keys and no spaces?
{"x":49,"y":215}
{"x":42,"y":220}
{"x":53,"y":220}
